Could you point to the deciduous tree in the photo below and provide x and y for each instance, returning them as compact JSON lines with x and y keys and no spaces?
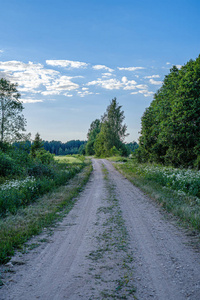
{"x":12,"y":121}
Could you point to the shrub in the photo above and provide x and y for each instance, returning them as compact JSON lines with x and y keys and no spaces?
{"x":7,"y":165}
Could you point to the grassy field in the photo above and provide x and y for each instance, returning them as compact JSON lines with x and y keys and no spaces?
{"x":177,"y":190}
{"x":70,"y":159}
{"x":30,"y":219}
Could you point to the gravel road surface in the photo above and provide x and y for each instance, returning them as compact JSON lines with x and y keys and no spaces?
{"x":115,"y":243}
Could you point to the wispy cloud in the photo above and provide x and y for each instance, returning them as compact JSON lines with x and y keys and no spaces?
{"x":36,"y":79}
{"x":63,"y":83}
{"x":31,"y":100}
{"x":102,"y":67}
{"x":152,"y":76}
{"x":146,"y":93}
{"x":29,"y":76}
{"x":130,"y":68}
{"x":109,"y":84}
{"x":67,"y":64}
{"x":106,"y":75}
{"x":152,"y":81}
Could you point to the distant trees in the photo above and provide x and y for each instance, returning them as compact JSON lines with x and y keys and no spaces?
{"x":106,"y":136}
{"x":70,"y":147}
{"x":11,"y":119}
{"x":171,"y":124}
{"x":94,"y":130}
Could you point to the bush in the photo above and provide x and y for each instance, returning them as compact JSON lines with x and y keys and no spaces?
{"x":37,"y":169}
{"x":7,"y":165}
{"x":44,"y":156}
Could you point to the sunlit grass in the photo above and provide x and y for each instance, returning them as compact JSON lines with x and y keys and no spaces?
{"x":70,"y":159}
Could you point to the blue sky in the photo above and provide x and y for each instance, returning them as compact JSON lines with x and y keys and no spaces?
{"x":71,"y":58}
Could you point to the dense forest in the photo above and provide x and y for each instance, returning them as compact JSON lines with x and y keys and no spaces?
{"x":57,"y":147}
{"x":170,"y":131}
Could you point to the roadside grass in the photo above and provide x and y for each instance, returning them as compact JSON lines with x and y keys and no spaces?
{"x":177,"y":190}
{"x":18,"y":228}
{"x":19,"y":192}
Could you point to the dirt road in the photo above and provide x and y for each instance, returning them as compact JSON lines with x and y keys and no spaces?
{"x":114,"y":241}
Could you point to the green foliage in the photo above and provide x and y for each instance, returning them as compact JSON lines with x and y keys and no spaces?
{"x":108,"y":133}
{"x":7,"y":165}
{"x":70,"y":147}
{"x":131,"y":147}
{"x":170,"y":126}
{"x":25,"y":176}
{"x":37,"y":145}
{"x":43,"y":178}
{"x":44,"y":156}
{"x":17,"y":229}
{"x":93,"y":132}
{"x":11,"y":119}
{"x":178,"y":190}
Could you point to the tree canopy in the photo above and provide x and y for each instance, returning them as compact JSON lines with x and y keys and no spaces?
{"x":11,"y":118}
{"x":171,"y":124}
{"x":106,"y":136}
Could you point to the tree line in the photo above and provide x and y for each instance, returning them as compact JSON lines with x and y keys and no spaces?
{"x":170,"y":131}
{"x":56,"y":147}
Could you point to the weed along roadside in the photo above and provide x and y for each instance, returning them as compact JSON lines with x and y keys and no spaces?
{"x":176,"y":190}
{"x":28,"y":220}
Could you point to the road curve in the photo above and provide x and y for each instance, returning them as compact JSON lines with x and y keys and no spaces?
{"x":85,"y":258}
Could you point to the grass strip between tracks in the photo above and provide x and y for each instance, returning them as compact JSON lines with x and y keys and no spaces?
{"x":112,"y":248}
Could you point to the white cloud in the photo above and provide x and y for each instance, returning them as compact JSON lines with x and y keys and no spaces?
{"x":142,"y":86}
{"x":84,"y":93}
{"x":29,"y":76}
{"x":102,"y":67}
{"x":130,"y":68}
{"x":146,"y":93}
{"x":46,"y":93}
{"x":109,"y":84}
{"x":30,"y":100}
{"x":66,"y":63}
{"x":106,"y":75}
{"x":68,"y":95}
{"x":129,"y":84}
{"x":14,"y":65}
{"x":134,"y":93}
{"x":114,"y":84}
{"x":179,"y":66}
{"x":152,"y":76}
{"x":168,"y":63}
{"x":152,"y":81}
{"x":63,"y":83}
{"x":124,"y":79}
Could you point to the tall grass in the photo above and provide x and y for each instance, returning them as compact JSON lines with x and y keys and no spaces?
{"x":29,"y":220}
{"x":177,"y":190}
{"x":17,"y":193}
